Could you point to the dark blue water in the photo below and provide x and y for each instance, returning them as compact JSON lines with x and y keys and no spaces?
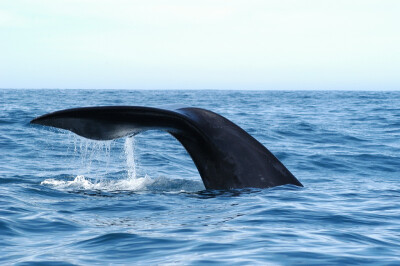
{"x":67,"y":200}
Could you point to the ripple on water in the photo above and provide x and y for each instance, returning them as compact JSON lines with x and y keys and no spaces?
{"x":69,"y":201}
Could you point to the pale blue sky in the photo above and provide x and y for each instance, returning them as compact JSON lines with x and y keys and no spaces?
{"x":232,"y":44}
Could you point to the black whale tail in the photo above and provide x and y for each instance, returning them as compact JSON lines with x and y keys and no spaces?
{"x":226,"y":156}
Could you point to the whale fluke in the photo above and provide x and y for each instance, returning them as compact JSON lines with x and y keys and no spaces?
{"x":226,"y":156}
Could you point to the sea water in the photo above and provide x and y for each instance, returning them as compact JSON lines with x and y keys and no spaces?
{"x":140,"y":200}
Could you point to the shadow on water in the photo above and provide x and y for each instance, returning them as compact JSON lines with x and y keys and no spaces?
{"x":202,"y":194}
{"x":169,"y":186}
{"x":231,"y":193}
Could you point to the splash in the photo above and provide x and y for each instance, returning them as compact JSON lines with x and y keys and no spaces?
{"x":139,"y":184}
{"x":82,"y":183}
{"x":93,"y":164}
{"x":97,"y":153}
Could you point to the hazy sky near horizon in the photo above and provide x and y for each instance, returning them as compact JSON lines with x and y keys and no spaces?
{"x":208,"y":44}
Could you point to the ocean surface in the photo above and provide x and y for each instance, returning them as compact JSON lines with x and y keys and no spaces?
{"x":65,"y":200}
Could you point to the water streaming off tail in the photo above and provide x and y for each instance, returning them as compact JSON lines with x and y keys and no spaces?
{"x":95,"y":167}
{"x":92,"y":158}
{"x":129,"y":150}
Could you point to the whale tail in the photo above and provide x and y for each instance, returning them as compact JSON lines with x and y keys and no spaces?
{"x":226,"y":156}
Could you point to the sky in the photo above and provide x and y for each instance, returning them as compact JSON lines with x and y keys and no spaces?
{"x":207,"y":44}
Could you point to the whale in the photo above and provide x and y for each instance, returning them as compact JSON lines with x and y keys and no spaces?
{"x":226,"y":156}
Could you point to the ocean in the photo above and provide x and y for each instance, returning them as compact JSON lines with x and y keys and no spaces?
{"x":65,"y":200}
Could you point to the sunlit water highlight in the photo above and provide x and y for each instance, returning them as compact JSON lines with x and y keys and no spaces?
{"x":68,"y":200}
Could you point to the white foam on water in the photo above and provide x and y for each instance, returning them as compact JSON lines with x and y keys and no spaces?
{"x":82,"y":183}
{"x":139,"y":184}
